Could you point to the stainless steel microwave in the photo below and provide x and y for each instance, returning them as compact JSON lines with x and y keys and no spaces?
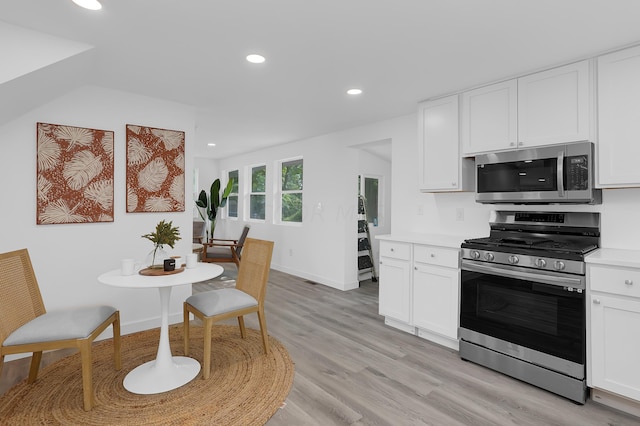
{"x":545,"y":175}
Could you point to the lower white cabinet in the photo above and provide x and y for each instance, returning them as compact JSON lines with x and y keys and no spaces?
{"x":613,"y":324}
{"x":395,"y":289}
{"x":435,"y":300}
{"x":419,"y":289}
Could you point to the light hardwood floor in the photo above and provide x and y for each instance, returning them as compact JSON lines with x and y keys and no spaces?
{"x":352,"y":369}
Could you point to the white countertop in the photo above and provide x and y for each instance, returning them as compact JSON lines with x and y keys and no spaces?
{"x":449,"y":241}
{"x":615,"y":257}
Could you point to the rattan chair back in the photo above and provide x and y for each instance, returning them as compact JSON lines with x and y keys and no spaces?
{"x":253,"y":273}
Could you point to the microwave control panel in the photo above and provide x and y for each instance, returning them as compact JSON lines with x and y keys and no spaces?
{"x":577,"y":173}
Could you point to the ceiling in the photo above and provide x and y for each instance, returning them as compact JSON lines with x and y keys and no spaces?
{"x":397,"y":51}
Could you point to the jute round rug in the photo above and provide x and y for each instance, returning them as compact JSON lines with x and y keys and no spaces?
{"x":246,"y":387}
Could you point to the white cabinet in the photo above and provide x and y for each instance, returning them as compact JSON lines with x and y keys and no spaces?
{"x":419,"y":290}
{"x":554,"y":106}
{"x":489,"y":118}
{"x":441,"y":167}
{"x":436,"y":284}
{"x":619,"y":118}
{"x":394,"y":299}
{"x":545,"y":108}
{"x":613,"y":322}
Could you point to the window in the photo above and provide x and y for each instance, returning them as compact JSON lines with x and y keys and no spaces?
{"x":291,"y":190}
{"x":257,"y":195}
{"x":369,"y":187}
{"x":232,"y":200}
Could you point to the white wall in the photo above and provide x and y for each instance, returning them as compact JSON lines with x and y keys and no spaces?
{"x":68,"y":258}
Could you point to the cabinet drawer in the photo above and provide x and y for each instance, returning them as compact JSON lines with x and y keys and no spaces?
{"x":395,"y":250}
{"x":618,"y":280}
{"x":436,"y":256}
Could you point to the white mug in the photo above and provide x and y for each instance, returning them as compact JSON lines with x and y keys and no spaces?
{"x":192,"y":260}
{"x":127,"y":266}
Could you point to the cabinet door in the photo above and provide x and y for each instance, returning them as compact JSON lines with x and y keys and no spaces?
{"x":438,"y":145}
{"x":489,"y":118}
{"x":436,"y":300}
{"x":394,"y":288}
{"x":614,"y":349}
{"x":554,"y":106}
{"x":618,"y":118}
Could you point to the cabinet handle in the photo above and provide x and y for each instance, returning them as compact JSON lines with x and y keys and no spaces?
{"x":628,"y":282}
{"x":415,"y":267}
{"x":453,"y":183}
{"x":391,"y":248}
{"x":596,"y":301}
{"x":433,"y":255}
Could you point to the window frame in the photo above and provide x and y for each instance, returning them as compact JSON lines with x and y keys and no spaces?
{"x":249,"y":192}
{"x":279,"y":192}
{"x":233,"y":194}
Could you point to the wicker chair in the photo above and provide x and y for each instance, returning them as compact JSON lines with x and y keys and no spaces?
{"x":25,"y":326}
{"x":247,"y":297}
{"x":219,"y":251}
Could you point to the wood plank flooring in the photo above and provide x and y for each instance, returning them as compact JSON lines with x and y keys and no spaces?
{"x":352,"y":369}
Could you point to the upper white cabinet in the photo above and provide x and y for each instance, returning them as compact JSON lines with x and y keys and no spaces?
{"x":545,"y":108}
{"x":489,"y":118}
{"x":441,"y":166}
{"x":619,"y":118}
{"x":553,"y":106}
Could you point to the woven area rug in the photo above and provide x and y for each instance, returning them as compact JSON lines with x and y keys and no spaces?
{"x":246,"y":387}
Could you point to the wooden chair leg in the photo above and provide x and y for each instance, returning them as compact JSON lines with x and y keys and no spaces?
{"x":117,"y":356}
{"x":206,"y":368}
{"x":87,"y":384}
{"x":185,"y":328}
{"x":263,"y":330}
{"x":35,"y":365}
{"x":243,"y":331}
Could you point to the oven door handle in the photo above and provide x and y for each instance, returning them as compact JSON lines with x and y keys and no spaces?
{"x":561,"y":281}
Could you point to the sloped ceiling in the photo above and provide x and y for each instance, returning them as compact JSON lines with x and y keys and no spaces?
{"x":398,"y":52}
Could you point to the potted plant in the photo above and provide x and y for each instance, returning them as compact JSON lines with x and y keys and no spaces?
{"x":165,"y":233}
{"x":213,"y":202}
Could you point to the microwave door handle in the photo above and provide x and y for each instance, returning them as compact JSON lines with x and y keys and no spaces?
{"x":560,"y":174}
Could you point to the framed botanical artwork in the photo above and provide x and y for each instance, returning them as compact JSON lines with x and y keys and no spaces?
{"x":74,"y":174}
{"x":155,"y":170}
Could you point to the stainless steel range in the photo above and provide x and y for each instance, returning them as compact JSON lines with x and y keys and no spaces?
{"x":523,"y":301}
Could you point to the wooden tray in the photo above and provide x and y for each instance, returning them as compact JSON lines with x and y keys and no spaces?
{"x":159,"y":271}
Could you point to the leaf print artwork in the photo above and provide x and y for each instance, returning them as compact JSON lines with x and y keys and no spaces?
{"x":155,"y":169}
{"x":74,"y":174}
{"x":74,"y":135}
{"x":82,"y":168}
{"x":153,"y":175}
{"x":48,"y":152}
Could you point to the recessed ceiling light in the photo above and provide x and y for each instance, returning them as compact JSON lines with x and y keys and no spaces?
{"x":211,"y":144}
{"x":89,"y":4}
{"x":354,"y":91}
{"x":255,"y":58}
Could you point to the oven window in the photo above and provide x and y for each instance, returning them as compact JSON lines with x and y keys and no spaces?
{"x":542,"y":317}
{"x":535,"y":312}
{"x":518,"y":176}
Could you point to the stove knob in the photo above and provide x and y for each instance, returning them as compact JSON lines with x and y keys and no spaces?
{"x":541,"y":263}
{"x":488,"y":257}
{"x":558,"y":265}
{"x":513,"y":259}
{"x":475,"y":254}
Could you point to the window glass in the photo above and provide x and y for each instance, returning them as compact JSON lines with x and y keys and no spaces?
{"x":232,"y":200}
{"x":291,"y":191}
{"x":257,"y":198}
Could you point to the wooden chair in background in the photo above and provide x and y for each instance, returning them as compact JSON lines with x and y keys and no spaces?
{"x":25,"y":325}
{"x":247,"y":297}
{"x":220,"y":251}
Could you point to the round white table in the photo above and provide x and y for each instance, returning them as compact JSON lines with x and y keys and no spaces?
{"x":166,"y":372}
